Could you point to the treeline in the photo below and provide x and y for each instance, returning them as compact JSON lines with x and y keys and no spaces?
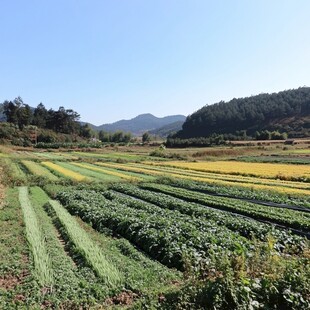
{"x":22,"y":115}
{"x":219,"y":139}
{"x":115,"y":137}
{"x":283,"y":112}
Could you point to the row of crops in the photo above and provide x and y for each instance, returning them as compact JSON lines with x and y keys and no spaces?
{"x":185,"y":235}
{"x":79,"y":170}
{"x":70,"y":265}
{"x":157,"y":234}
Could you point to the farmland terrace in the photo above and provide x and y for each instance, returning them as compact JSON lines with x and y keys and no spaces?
{"x":208,"y":228}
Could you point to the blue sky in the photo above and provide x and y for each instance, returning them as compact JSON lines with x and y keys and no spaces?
{"x":115,"y":59}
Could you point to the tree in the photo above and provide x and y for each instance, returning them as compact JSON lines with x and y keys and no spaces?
{"x":86,"y":131}
{"x":104,"y":136}
{"x":24,"y":116}
{"x":10,"y":111}
{"x":146,"y":137}
{"x":65,"y":121}
{"x":40,"y":116}
{"x":17,"y":112}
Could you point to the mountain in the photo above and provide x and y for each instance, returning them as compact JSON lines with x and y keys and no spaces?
{"x":141,"y":123}
{"x":287,"y":111}
{"x":167,"y":130}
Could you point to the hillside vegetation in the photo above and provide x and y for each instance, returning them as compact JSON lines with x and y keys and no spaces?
{"x":252,"y":117}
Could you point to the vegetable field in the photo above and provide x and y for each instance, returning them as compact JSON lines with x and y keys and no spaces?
{"x":86,"y":230}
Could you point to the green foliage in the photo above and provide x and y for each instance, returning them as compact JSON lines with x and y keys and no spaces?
{"x":12,"y":173}
{"x":267,"y":135}
{"x":85,"y":247}
{"x":165,"y":235}
{"x":214,"y":139}
{"x":222,"y":270}
{"x":235,"y":191}
{"x":115,"y":137}
{"x":87,"y":132}
{"x":67,"y":145}
{"x":146,"y":137}
{"x":161,"y":152}
{"x":20,"y":114}
{"x":17,"y":112}
{"x":42,"y":264}
{"x":16,"y":262}
{"x":287,"y":217}
{"x":230,"y":282}
{"x":245,"y":227}
{"x":256,"y":113}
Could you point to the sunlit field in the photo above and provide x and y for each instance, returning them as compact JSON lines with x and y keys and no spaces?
{"x":126,"y":229}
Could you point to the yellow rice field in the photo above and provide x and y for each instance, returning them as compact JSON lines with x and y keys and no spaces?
{"x":66,"y":172}
{"x":254,"y":183}
{"x":266,"y":170}
{"x":222,"y":176}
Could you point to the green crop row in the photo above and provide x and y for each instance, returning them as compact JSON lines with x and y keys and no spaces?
{"x":73,"y":284}
{"x":42,"y":264}
{"x":235,"y":191}
{"x":86,"y":247}
{"x":166,"y":235}
{"x":289,"y":218}
{"x":245,"y":227}
{"x":89,"y":173}
{"x":38,"y":170}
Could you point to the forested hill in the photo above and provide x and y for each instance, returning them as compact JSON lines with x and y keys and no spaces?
{"x":287,"y":111}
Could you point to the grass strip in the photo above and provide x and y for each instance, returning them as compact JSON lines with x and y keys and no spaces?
{"x":86,"y":247}
{"x":74,"y":283}
{"x":107,"y":171}
{"x":38,"y":170}
{"x":98,"y":176}
{"x":42,"y":264}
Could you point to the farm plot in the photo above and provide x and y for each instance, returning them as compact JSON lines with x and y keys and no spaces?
{"x":244,"y":226}
{"x":56,"y":155}
{"x":178,"y":233}
{"x":95,"y":175}
{"x":12,"y":172}
{"x":265,"y":170}
{"x":73,"y":265}
{"x":113,"y":172}
{"x":42,"y":264}
{"x":261,"y":197}
{"x":144,"y":225}
{"x":229,"y":177}
{"x":14,"y":258}
{"x":65,"y":172}
{"x":290,"y":218}
{"x":284,"y":187}
{"x":113,"y":156}
{"x":154,"y":237}
{"x":38,"y":170}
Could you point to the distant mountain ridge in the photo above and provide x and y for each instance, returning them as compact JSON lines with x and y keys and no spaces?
{"x":137,"y":125}
{"x":141,"y":123}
